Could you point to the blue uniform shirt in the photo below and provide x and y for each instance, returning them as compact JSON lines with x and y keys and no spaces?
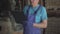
{"x":41,"y":13}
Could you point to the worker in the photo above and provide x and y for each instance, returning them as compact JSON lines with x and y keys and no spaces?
{"x":36,"y":18}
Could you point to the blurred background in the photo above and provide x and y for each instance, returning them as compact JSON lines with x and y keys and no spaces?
{"x":11,"y":16}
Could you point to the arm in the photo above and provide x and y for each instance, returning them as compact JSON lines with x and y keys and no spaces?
{"x":43,"y":24}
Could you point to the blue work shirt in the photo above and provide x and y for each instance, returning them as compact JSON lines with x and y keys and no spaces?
{"x":40,"y":15}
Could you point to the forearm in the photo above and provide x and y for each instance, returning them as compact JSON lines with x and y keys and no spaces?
{"x":41,"y":25}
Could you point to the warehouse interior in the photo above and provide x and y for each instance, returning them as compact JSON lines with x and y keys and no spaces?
{"x":11,"y":16}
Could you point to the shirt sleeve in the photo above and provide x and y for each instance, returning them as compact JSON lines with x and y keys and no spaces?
{"x":44,"y":14}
